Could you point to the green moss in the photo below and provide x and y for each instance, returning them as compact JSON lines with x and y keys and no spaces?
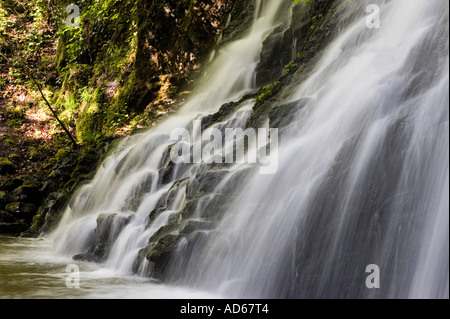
{"x":90,"y":121}
{"x":6,"y":166}
{"x":291,"y":66}
{"x":33,"y":154}
{"x":8,"y":142}
{"x":61,"y":154}
{"x":14,"y":123}
{"x":18,"y":113}
{"x":36,"y":223}
{"x":13,"y":207}
{"x":15,"y":158}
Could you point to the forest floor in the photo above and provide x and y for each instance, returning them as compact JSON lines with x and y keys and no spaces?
{"x":29,"y":135}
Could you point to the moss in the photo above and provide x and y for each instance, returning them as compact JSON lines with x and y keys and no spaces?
{"x":33,"y":154}
{"x":14,"y":123}
{"x":267,"y":91}
{"x":291,"y":66}
{"x":18,"y":113}
{"x":163,"y":249}
{"x":6,"y":166}
{"x":15,"y":158}
{"x":61,"y":155}
{"x":37,"y":223}
{"x":8,"y":142}
{"x":13,"y":207}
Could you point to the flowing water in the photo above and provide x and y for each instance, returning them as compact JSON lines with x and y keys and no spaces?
{"x":363,"y":178}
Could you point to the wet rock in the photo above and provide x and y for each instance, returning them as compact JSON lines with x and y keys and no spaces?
{"x":96,"y":254}
{"x":50,"y":211}
{"x":21,"y":210}
{"x":108,"y":228}
{"x":161,"y":252}
{"x":195,"y":225}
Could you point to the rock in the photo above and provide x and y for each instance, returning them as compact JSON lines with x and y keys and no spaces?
{"x":96,"y":254}
{"x":195,"y":225}
{"x":51,"y":210}
{"x":21,"y":210}
{"x":88,"y":160}
{"x":6,"y":198}
{"x":13,"y":207}
{"x":28,"y":192}
{"x":161,"y":252}
{"x":6,"y":166}
{"x":108,"y":228}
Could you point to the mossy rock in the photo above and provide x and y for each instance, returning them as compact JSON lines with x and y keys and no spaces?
{"x":161,"y":252}
{"x":6,"y":199}
{"x":28,"y":192}
{"x":37,"y":223}
{"x":21,"y":210}
{"x":6,"y":166}
{"x":33,"y":154}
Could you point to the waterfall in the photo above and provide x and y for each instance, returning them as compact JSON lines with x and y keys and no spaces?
{"x":129,"y":184}
{"x":362,"y":179}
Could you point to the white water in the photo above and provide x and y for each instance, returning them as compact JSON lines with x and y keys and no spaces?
{"x":363,"y":175}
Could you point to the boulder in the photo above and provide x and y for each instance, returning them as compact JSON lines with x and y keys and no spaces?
{"x":5,"y":199}
{"x":21,"y":210}
{"x":28,"y":192}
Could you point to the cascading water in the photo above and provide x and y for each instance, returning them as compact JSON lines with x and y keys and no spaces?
{"x":133,"y":172}
{"x":363,"y":174}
